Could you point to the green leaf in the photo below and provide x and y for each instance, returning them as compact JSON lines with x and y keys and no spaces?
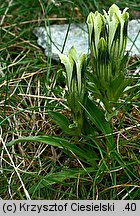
{"x":124,"y":61}
{"x":60,"y":120}
{"x":98,"y":118}
{"x":91,"y":86}
{"x":82,"y":154}
{"x":118,"y":85}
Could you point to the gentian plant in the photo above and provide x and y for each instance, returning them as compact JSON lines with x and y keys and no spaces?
{"x":76,"y":86}
{"x":107,"y":79}
{"x":107,"y":40}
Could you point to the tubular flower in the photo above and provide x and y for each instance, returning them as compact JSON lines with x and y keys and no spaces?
{"x":107,"y":40}
{"x":75,"y":80}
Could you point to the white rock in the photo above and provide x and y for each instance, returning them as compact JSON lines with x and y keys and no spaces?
{"x":60,"y":38}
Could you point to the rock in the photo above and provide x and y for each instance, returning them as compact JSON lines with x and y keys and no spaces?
{"x":57,"y":39}
{"x":133,"y":43}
